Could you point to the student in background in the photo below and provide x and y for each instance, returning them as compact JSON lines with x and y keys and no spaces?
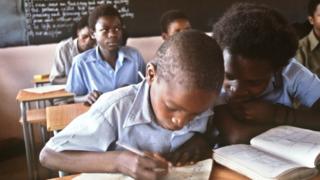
{"x":108,"y":66}
{"x":173,"y":21}
{"x":156,"y":116}
{"x":261,"y":77}
{"x":308,"y":52}
{"x":69,"y":48}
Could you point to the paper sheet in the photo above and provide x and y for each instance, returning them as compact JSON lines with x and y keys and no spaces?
{"x":45,"y":89}
{"x":198,"y":171}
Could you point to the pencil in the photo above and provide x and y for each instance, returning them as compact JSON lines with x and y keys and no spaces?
{"x":140,"y":153}
{"x":141,"y":75}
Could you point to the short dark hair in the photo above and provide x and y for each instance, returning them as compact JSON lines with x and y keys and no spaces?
{"x":256,"y":32}
{"x":170,"y":16}
{"x":194,"y":54}
{"x":82,"y":23}
{"x":312,"y":6}
{"x":100,"y":11}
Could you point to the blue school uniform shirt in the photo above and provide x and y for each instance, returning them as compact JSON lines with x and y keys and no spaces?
{"x":124,"y":115}
{"x":297,"y":83}
{"x":90,"y":72}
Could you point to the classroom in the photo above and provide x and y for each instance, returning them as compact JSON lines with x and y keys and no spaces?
{"x":32,"y":31}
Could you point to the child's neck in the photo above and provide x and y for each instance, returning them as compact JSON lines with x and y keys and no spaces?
{"x":110,"y":57}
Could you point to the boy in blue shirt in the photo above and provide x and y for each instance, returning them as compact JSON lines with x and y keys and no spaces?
{"x":156,"y":116}
{"x":262,"y":79}
{"x":109,"y":65}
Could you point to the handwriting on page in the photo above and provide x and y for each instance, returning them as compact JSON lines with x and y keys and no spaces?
{"x":290,"y":137}
{"x":252,"y":158}
{"x":198,"y":171}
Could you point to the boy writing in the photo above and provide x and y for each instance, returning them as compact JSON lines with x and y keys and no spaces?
{"x":156,"y":116}
{"x":109,"y":65}
{"x":261,"y":78}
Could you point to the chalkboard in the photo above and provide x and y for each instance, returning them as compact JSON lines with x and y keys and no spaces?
{"x":49,"y":20}
{"x":26,"y":22}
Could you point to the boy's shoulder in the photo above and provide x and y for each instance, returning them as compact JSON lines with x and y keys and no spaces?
{"x":86,"y":56}
{"x":121,"y":99}
{"x":130,"y":52}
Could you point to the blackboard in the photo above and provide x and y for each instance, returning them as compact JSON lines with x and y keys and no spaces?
{"x":28,"y":22}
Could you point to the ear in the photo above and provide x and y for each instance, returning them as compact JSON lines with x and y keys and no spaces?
{"x":310,"y":19}
{"x":92,"y":34}
{"x":164,"y":36}
{"x":151,"y":73}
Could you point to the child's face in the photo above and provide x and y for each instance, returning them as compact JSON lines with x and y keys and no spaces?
{"x":245,"y":79}
{"x":175,"y":27}
{"x":108,"y":33}
{"x":85,"y":41}
{"x":315,"y":19}
{"x":174,"y":105}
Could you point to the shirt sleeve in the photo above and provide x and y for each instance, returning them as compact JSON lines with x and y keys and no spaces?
{"x":305,"y":85}
{"x":75,"y":83}
{"x":90,"y":131}
{"x":58,"y":67}
{"x":141,"y":65}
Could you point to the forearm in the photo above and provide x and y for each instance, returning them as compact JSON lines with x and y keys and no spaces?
{"x":75,"y":161}
{"x":235,"y":131}
{"x":305,"y":118}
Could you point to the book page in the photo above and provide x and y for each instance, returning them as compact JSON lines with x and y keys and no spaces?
{"x":254,"y":163}
{"x":297,"y":144}
{"x":45,"y":89}
{"x":198,"y":171}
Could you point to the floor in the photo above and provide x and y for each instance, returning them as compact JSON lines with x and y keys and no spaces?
{"x":14,"y":165}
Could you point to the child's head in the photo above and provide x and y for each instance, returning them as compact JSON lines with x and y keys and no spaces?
{"x":185,"y":78}
{"x":85,"y":41}
{"x":257,"y":42}
{"x":173,"y":21}
{"x":105,"y":24}
{"x":314,"y":14}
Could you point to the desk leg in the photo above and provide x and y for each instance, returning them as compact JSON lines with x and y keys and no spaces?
{"x":26,"y":136}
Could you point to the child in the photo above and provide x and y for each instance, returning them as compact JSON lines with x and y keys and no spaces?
{"x":308,"y":52}
{"x":261,"y":78}
{"x":109,"y":65}
{"x":173,"y":21}
{"x":157,"y":115}
{"x":69,"y":48}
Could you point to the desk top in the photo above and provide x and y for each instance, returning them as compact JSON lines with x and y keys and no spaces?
{"x":24,"y":96}
{"x":41,"y":81}
{"x":60,"y":116}
{"x":219,"y":172}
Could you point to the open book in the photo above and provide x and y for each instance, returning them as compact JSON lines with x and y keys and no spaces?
{"x":198,"y":171}
{"x":283,"y":152}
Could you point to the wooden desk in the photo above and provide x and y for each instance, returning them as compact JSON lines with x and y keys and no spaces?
{"x":24,"y":99}
{"x":218,"y":173}
{"x":44,"y":80}
{"x":59,"y":117}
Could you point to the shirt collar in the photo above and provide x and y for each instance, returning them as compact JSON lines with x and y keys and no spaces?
{"x":313,"y":40}
{"x":122,"y":56}
{"x":141,"y":112}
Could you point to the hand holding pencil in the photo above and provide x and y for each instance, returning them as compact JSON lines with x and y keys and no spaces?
{"x":145,"y":165}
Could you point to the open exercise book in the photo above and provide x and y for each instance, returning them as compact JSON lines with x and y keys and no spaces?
{"x":283,"y":152}
{"x":198,"y":171}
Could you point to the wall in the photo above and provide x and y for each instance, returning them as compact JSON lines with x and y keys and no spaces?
{"x":24,"y":62}
{"x":17,"y":67}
